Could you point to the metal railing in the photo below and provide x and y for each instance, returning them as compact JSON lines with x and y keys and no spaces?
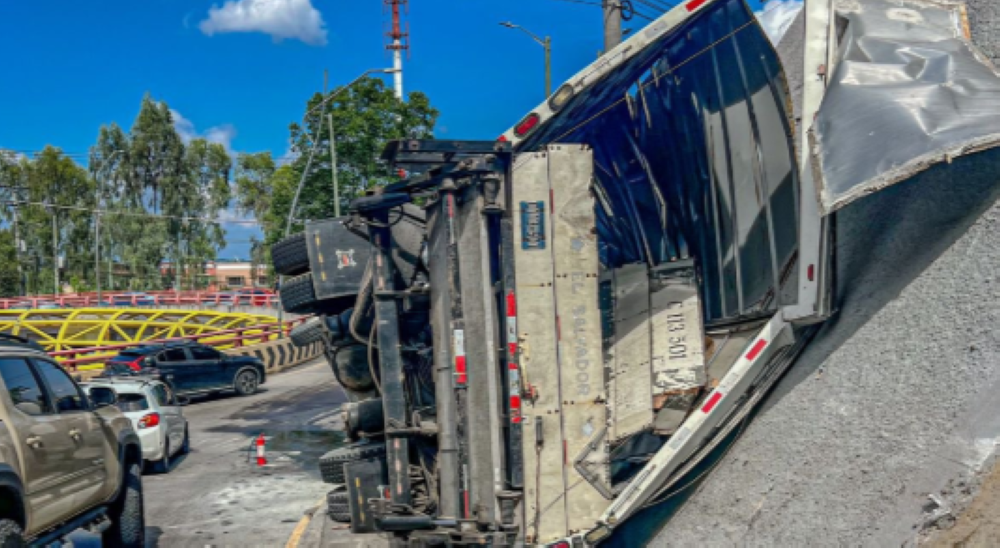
{"x":87,"y":358}
{"x":138,"y":299}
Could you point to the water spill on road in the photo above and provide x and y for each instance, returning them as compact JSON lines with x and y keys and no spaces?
{"x":304,"y":447}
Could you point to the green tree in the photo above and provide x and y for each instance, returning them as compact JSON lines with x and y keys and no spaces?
{"x":366,"y":116}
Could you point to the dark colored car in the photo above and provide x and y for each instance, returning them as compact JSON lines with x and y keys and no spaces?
{"x":191,"y":368}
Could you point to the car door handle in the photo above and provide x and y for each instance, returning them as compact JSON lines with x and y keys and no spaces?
{"x":74,"y":433}
{"x":34,"y":442}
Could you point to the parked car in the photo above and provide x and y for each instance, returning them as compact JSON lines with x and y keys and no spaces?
{"x":133,"y":298}
{"x":68,"y":460}
{"x":191,"y":368}
{"x":156,"y":415}
{"x":36,"y":305}
{"x":220,"y":298}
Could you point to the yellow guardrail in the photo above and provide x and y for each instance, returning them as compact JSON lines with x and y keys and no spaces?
{"x":79,"y":328}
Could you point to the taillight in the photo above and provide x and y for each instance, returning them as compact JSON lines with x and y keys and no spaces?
{"x":136,"y":364}
{"x":560,"y":544}
{"x":150,"y":420}
{"x":529,"y":123}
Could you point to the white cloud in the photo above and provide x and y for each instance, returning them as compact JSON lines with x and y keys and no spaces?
{"x":777,"y":16}
{"x":223,"y":134}
{"x":281,"y":19}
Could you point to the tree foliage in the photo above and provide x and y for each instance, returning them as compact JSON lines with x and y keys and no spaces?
{"x":366,"y":116}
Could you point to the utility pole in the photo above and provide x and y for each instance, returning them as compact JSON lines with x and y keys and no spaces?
{"x":333,"y":166}
{"x":55,"y":252}
{"x":612,"y":24}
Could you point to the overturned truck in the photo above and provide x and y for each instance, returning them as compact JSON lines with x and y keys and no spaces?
{"x":543,"y":335}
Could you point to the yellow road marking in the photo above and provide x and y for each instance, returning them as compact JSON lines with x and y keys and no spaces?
{"x":300,"y":529}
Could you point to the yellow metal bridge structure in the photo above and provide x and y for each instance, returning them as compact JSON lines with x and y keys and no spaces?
{"x":82,"y":328}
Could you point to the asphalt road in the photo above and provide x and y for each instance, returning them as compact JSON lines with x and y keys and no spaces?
{"x":215,"y":496}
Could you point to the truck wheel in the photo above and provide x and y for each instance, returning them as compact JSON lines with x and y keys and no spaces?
{"x":11,"y":535}
{"x":309,"y":332}
{"x":298,"y":294}
{"x":331,"y":465}
{"x":128,"y":527}
{"x":337,"y":506}
{"x":291,"y":255}
{"x":246,"y":382}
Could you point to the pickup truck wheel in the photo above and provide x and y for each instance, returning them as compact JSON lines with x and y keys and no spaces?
{"x":291,"y":256}
{"x":162,"y":466}
{"x":338,"y":506}
{"x":128,"y":527}
{"x":331,"y":465}
{"x":11,"y":535}
{"x":246,"y":382}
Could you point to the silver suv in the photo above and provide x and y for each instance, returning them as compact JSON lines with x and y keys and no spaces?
{"x":67,"y":461}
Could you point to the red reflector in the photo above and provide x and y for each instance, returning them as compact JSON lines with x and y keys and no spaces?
{"x":511,"y":305}
{"x":515,"y":402}
{"x":694,"y":4}
{"x":502,"y":139}
{"x":810,"y":272}
{"x":755,"y":351}
{"x":560,"y":544}
{"x":529,"y":123}
{"x":712,"y":400}
{"x":462,"y":378}
{"x":150,"y":420}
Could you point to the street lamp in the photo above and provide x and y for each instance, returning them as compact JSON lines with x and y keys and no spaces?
{"x":333,"y":149}
{"x":547,"y":44}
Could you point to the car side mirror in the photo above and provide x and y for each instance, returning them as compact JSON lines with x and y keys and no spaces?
{"x":102,"y":396}
{"x":147,"y":361}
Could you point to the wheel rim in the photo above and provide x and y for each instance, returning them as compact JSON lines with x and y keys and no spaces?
{"x":248,"y":381}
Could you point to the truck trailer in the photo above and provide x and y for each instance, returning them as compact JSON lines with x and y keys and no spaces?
{"x":545,"y":334}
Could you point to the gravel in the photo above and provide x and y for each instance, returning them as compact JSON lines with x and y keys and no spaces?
{"x":895,"y":399}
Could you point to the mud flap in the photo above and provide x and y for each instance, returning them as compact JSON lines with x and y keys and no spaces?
{"x":559,"y":329}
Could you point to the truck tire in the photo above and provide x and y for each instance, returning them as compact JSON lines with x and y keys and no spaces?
{"x":290,"y":256}
{"x":309,"y":332}
{"x":298,"y":295}
{"x":11,"y":535}
{"x":128,"y":526}
{"x":337,"y":506}
{"x":331,"y":465}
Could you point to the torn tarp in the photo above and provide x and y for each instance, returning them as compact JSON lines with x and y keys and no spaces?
{"x":908,"y":91}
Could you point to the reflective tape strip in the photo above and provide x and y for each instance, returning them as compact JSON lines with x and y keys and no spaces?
{"x":712,"y":401}
{"x":756,"y":349}
{"x":694,"y":4}
{"x":511,"y":325}
{"x":461,"y":376}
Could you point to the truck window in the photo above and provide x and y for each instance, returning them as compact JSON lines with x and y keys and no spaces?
{"x":24,"y":389}
{"x":66,"y":394}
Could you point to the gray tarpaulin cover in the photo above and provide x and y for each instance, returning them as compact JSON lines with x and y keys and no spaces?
{"x":908,"y":91}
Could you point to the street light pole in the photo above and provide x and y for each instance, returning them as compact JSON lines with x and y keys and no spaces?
{"x":547,"y":44}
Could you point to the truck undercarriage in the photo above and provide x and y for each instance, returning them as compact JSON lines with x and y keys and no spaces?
{"x":548,"y":333}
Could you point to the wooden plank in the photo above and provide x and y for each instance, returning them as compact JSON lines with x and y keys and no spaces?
{"x":581,"y":369}
{"x":544,"y":477}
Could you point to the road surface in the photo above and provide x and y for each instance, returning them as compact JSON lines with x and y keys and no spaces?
{"x":214,"y":496}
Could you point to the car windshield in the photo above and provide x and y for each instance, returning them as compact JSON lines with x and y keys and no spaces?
{"x":132,"y":402}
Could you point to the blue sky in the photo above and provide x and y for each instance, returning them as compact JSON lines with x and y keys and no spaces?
{"x":243,"y":73}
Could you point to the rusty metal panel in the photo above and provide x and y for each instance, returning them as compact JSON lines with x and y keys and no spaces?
{"x":544,"y":471}
{"x":678,"y":343}
{"x":631,"y":375}
{"x":575,"y":257}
